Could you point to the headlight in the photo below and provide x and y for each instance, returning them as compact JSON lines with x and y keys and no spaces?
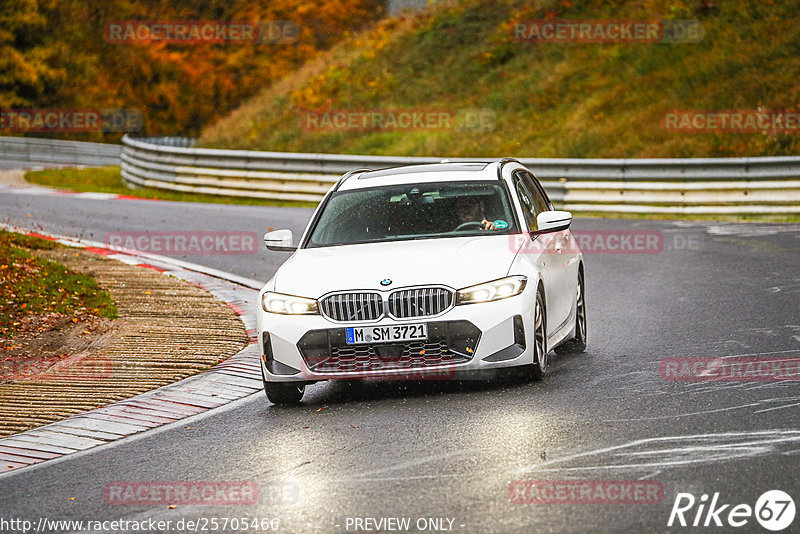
{"x":288,"y":304}
{"x":489,"y":291}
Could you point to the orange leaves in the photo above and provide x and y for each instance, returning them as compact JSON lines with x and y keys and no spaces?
{"x":179,"y":87}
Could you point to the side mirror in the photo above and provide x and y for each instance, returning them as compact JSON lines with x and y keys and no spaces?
{"x":553,"y":221}
{"x":279,"y":240}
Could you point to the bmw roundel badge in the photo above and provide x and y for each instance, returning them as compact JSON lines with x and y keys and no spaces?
{"x":386,"y":282}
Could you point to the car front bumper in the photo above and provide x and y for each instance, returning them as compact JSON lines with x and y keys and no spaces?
{"x":465,"y":339}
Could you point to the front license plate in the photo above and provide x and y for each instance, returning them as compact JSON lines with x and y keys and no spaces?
{"x":386,"y":334}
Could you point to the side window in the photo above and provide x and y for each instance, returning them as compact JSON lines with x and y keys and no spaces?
{"x":540,"y":201}
{"x":526,"y":199}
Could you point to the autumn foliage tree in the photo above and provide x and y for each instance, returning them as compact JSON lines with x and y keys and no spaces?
{"x":54,"y":53}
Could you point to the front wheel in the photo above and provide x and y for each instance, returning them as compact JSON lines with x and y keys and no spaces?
{"x":578,"y":343}
{"x":539,"y":339}
{"x":284,"y":393}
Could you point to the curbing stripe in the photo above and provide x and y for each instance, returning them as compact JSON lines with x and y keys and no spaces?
{"x":27,"y":445}
{"x":235,"y":379}
{"x":83,"y":433}
{"x":7,"y":466}
{"x":218,"y":389}
{"x":49,"y":192}
{"x":148,"y":266}
{"x":89,"y":423}
{"x":61,"y":439}
{"x":6,"y":457}
{"x":146,"y":411}
{"x":140,"y":415}
{"x":180,"y":410}
{"x":124,"y":419}
{"x":41,"y":455}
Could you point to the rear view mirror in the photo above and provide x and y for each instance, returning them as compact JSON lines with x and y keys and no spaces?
{"x":553,"y":221}
{"x":279,"y":240}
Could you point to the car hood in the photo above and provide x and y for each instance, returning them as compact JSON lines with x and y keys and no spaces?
{"x":456,"y":262}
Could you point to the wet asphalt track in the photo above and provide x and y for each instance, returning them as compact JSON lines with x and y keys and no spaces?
{"x":450,"y":449}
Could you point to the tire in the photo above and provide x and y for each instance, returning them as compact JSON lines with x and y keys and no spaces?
{"x":539,"y":368}
{"x":578,"y":343}
{"x":283,"y":393}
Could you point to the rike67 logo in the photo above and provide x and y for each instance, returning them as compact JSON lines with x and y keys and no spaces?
{"x":774,"y":510}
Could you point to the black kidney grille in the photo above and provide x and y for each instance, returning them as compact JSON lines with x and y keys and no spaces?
{"x":420,"y":302}
{"x":353,"y":306}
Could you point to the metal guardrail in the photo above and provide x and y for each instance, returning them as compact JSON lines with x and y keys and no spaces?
{"x":694,"y":186}
{"x":38,"y":151}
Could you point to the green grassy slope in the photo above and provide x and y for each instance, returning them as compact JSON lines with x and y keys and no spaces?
{"x":548,"y":99}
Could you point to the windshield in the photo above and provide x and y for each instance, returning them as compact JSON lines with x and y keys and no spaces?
{"x":414,"y":211}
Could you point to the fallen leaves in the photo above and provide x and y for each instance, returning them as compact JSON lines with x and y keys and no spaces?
{"x":33,"y":285}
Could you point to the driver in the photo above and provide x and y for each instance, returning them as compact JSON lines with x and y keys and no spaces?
{"x":472,"y":209}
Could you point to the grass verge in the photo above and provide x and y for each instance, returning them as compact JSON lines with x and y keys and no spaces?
{"x":35,"y":286}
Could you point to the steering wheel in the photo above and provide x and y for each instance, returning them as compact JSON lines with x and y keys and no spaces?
{"x":464,"y":226}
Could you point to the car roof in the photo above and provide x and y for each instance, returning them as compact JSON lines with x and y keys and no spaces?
{"x":434,"y":172}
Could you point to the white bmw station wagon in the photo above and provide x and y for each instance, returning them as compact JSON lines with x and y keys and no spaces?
{"x":423,"y":271}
